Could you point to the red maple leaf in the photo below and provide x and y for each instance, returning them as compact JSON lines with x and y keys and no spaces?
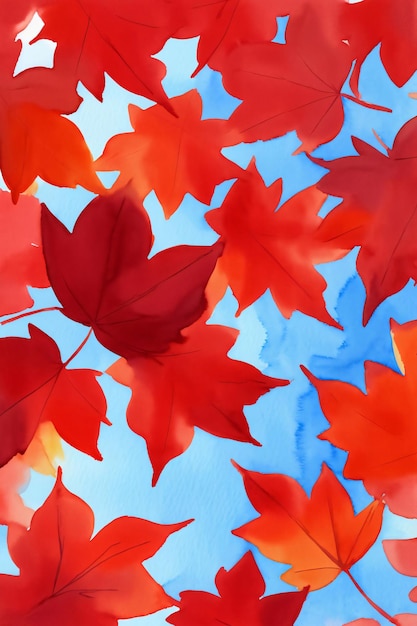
{"x":21,"y":258}
{"x":35,"y":386}
{"x":266,"y":248}
{"x":402,"y":554}
{"x":319,"y":536}
{"x":192,"y":384}
{"x":239,"y":602}
{"x":235,"y":22}
{"x":67,"y":577}
{"x":391,"y":24}
{"x":378,"y":213}
{"x":377,"y":427}
{"x":100,"y":37}
{"x":172,"y":155}
{"x":102,"y":276}
{"x":402,"y":619}
{"x":296,"y":86}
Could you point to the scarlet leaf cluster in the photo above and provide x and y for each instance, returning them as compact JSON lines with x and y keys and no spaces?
{"x":135,"y":305}
{"x":152,"y":310}
{"x":388,"y":467}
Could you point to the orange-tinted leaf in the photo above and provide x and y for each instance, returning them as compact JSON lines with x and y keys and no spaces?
{"x":320,"y":536}
{"x":66,"y":575}
{"x":378,"y":428}
{"x":21,"y":258}
{"x":44,"y":450}
{"x":103,"y":278}
{"x":296,"y":86}
{"x":13,"y":476}
{"x":38,"y":142}
{"x":239,"y":602}
{"x":272,"y":249}
{"x":172,"y":155}
{"x":192,"y":384}
{"x":378,"y":213}
{"x":36,"y":386}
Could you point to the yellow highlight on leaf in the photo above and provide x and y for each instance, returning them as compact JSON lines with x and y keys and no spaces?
{"x":44,"y":449}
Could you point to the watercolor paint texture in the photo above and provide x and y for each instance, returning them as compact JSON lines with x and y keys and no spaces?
{"x":208,"y":370}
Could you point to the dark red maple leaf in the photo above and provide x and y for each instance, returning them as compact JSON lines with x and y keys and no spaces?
{"x":296,"y":86}
{"x":103,"y":278}
{"x":239,"y":602}
{"x":67,"y":576}
{"x":378,"y":213}
{"x":21,"y":258}
{"x":98,"y":37}
{"x":172,"y":155}
{"x":35,"y":385}
{"x":192,"y":384}
{"x":266,"y":248}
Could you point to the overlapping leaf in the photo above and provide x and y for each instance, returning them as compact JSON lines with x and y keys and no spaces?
{"x":40,"y":142}
{"x":172,"y":155}
{"x":192,"y":384}
{"x":296,"y":86}
{"x":66,"y":575}
{"x":319,"y":536}
{"x":135,"y":305}
{"x":378,"y":428}
{"x":21,"y":258}
{"x":272,"y":249}
{"x":236,"y":22}
{"x":402,"y":554}
{"x":403,"y":619}
{"x":239,"y":602}
{"x":393,"y":26}
{"x":378,"y":213}
{"x":97,"y":38}
{"x":35,"y":386}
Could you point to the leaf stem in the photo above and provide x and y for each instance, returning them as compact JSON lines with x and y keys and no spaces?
{"x":18,"y":317}
{"x":368,"y":105}
{"x":78,"y":350}
{"x":371,"y":602}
